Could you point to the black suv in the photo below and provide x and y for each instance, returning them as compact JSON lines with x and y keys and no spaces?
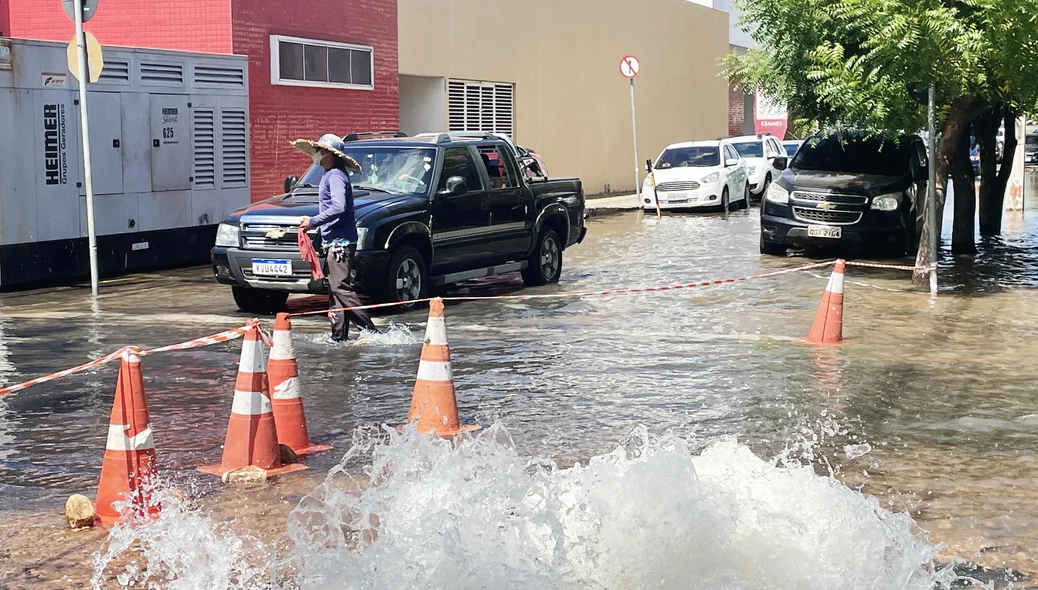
{"x":431,"y":210}
{"x":851,"y":190}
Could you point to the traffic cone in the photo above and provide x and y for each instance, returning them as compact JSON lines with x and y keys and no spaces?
{"x":433,"y":405}
{"x":284,"y":387}
{"x":251,"y":435}
{"x":129,"y":463}
{"x":828,"y":325}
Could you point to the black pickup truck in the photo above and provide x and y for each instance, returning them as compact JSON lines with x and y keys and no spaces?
{"x":431,"y":210}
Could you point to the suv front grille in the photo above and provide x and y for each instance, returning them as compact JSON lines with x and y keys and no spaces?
{"x":829,"y":198}
{"x":833,"y":217}
{"x":677,"y":186}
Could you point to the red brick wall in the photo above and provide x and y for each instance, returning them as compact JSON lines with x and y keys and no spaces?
{"x":5,"y":23}
{"x":186,"y":25}
{"x":280,"y":114}
{"x":736,"y":110}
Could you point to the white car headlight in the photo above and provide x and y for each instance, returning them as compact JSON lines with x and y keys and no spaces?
{"x":227,"y":235}
{"x":362,"y":239}
{"x":889,"y":202}
{"x":777,"y":194}
{"x":711,"y":178}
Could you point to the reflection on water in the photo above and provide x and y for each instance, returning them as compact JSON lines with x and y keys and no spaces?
{"x":942,"y":391}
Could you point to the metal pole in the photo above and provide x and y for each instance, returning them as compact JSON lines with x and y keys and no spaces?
{"x":84,"y":78}
{"x":931,"y":190}
{"x":634,"y":128}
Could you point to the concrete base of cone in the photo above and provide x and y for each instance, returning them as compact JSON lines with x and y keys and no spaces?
{"x":220,"y":470}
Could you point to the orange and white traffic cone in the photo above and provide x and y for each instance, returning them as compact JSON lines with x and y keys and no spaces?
{"x":433,"y":405}
{"x":284,"y":386}
{"x":251,"y":435}
{"x":828,"y":325}
{"x":129,"y":465}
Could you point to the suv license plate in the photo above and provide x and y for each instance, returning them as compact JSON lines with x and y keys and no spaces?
{"x":821,"y":231}
{"x":272,"y":268}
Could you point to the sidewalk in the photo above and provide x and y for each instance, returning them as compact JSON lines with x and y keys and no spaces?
{"x":604,"y":205}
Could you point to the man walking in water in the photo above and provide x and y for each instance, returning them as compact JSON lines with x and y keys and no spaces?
{"x":338,"y":225}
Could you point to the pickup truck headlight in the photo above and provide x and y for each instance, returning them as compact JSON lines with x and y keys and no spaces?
{"x":889,"y":202}
{"x":777,"y":194}
{"x":362,"y":239}
{"x":711,"y":178}
{"x":227,"y":235}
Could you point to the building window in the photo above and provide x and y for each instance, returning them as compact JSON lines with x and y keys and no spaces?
{"x":481,"y":106}
{"x":322,"y":64}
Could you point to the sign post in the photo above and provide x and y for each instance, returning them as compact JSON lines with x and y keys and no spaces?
{"x":629,"y":67}
{"x":931,"y":187}
{"x":83,"y":75}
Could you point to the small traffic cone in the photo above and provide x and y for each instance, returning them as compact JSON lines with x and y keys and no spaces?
{"x":433,"y":405}
{"x":129,"y":464}
{"x":828,"y":325}
{"x":284,"y":387}
{"x":252,"y":438}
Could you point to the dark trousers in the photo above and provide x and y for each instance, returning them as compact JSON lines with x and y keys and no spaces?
{"x":341,"y":294}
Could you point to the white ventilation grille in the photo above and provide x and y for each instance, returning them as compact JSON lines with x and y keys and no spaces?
{"x":481,"y":106}
{"x":204,"y":121}
{"x":220,"y":76}
{"x":115,"y":71}
{"x":234,"y":146}
{"x":158,"y":74}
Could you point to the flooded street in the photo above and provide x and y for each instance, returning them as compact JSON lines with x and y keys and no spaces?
{"x":929,"y":406}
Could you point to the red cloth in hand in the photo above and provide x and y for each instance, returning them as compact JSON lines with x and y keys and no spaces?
{"x":306,"y":250}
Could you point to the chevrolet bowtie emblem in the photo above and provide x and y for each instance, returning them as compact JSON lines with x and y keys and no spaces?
{"x":826,"y":206}
{"x":276,"y":234}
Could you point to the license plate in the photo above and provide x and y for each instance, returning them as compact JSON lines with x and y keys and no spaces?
{"x":272,"y":268}
{"x":677,"y":197}
{"x":821,"y":231}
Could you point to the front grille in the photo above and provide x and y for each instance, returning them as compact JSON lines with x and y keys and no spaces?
{"x":677,"y":186}
{"x":833,"y":217}
{"x":297,"y":276}
{"x":255,"y":237}
{"x":829,"y":198}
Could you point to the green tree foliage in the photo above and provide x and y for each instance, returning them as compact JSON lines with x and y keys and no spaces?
{"x":849,"y":62}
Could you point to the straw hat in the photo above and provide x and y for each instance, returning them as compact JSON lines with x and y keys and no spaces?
{"x":328,"y":142}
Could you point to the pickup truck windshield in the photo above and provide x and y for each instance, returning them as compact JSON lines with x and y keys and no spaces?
{"x":689,"y":157}
{"x":386,"y":170}
{"x":853,"y":156}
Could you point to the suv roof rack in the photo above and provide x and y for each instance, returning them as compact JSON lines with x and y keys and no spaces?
{"x":449,"y":136}
{"x":763,"y":135}
{"x":372,"y":135}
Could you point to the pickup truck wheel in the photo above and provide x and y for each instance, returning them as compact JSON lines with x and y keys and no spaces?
{"x":545,"y":264}
{"x":259,"y":301}
{"x":407,"y":277}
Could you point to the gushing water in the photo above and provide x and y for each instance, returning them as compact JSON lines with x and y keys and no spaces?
{"x":406,"y":511}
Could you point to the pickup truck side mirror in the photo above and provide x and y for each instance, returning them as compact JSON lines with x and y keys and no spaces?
{"x":290,"y":183}
{"x":456,"y":186}
{"x":781,"y":162}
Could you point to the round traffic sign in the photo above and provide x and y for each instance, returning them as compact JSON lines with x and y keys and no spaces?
{"x":629,"y":66}
{"x":89,"y":8}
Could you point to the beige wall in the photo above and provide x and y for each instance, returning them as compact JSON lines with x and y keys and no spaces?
{"x":572,"y":104}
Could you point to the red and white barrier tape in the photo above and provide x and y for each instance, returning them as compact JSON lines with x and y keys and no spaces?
{"x":578,"y":294}
{"x":890,"y":266}
{"x":196,"y":343}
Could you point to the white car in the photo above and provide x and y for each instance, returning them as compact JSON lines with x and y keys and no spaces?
{"x":697,"y":174}
{"x":760,"y":152}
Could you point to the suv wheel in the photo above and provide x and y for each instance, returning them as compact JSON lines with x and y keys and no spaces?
{"x":407,"y":278}
{"x":259,"y":301}
{"x":771,"y":249}
{"x":545,"y":264}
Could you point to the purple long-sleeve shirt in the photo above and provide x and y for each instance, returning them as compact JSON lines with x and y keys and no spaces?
{"x":336,"y":217}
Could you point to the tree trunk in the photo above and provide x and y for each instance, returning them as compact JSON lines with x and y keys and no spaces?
{"x":986,"y":130}
{"x":963,"y":110}
{"x":964,"y":228}
{"x":993,"y":183}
